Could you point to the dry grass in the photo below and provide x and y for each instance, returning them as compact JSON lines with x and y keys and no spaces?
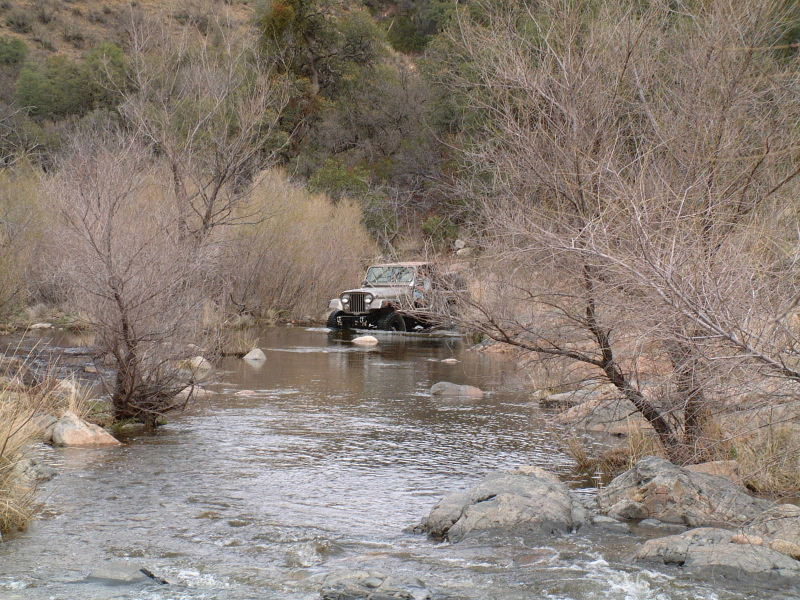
{"x":20,"y":408}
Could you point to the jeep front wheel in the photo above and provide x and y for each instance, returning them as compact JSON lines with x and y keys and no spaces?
{"x":332,"y":323}
{"x":392,"y":322}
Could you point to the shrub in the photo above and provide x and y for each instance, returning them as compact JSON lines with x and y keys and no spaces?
{"x":19,"y":21}
{"x":302,"y":254}
{"x":21,"y":223}
{"x":12,"y":51}
{"x":337,"y":180}
{"x":60,"y":87}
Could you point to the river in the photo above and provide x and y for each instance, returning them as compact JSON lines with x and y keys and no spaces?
{"x":326,"y":466}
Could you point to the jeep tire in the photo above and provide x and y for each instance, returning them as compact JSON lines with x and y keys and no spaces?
{"x":392,"y":321}
{"x":331,"y":322}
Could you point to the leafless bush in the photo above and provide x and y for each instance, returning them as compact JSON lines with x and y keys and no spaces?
{"x":300,"y":255}
{"x":130,"y":272}
{"x":635,"y":183}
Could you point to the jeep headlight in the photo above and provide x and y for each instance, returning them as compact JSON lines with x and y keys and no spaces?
{"x":368,"y":298}
{"x":345,"y":298}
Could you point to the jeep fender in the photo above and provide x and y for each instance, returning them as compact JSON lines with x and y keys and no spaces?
{"x":335,"y":304}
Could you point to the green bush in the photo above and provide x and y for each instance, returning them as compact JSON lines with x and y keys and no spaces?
{"x":12,"y":51}
{"x":338,"y":180}
{"x":60,"y":87}
{"x":441,"y":230}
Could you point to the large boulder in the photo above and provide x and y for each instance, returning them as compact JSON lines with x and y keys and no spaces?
{"x":729,"y":469}
{"x":655,"y":488}
{"x":371,"y":585}
{"x":445,"y":388}
{"x":256,"y":355}
{"x":718,"y":553}
{"x":71,"y":430}
{"x":528,"y":499}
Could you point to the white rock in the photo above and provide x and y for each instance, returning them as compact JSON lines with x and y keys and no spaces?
{"x":255,"y":355}
{"x":366,"y":340}
{"x":71,"y":430}
{"x":459,"y":244}
{"x":445,"y":388}
{"x":198,"y":363}
{"x":465,"y":252}
{"x":41,"y":326}
{"x":450,"y":361}
{"x":196,"y":393}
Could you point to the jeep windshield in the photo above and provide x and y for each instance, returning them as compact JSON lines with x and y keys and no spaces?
{"x":389,"y":276}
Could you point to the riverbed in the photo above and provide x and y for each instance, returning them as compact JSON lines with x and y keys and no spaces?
{"x":333,"y":455}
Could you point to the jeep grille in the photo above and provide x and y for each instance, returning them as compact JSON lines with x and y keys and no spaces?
{"x":357,"y":304}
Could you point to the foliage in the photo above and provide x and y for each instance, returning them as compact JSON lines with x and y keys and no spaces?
{"x":339,"y":181}
{"x":12,"y":51}
{"x":60,"y":87}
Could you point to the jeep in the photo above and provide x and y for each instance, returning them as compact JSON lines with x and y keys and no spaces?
{"x":393,"y":297}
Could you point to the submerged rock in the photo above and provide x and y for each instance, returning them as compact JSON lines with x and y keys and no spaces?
{"x":714,"y":552}
{"x":528,"y":499}
{"x":445,"y":388}
{"x":122,"y":572}
{"x":655,"y":488}
{"x":194,"y":392}
{"x":255,"y":355}
{"x":365,"y":340}
{"x":71,"y":430}
{"x":372,"y":585}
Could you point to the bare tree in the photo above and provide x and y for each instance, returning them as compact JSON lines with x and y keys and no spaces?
{"x":134,"y":277}
{"x":211,"y":106}
{"x":630,"y":159}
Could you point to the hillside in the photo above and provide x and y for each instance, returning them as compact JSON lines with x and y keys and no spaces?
{"x":71,"y":28}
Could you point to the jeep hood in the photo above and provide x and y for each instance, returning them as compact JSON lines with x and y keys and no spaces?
{"x":393,"y":291}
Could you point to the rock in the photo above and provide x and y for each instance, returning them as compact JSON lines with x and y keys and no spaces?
{"x":450,"y":361}
{"x":90,"y":369}
{"x":372,"y":585}
{"x":445,"y":388}
{"x":609,"y":523}
{"x":465,"y":252}
{"x":34,"y":470}
{"x":16,"y":370}
{"x":779,"y":522}
{"x":44,"y":424}
{"x":604,"y":412}
{"x":712,"y":552}
{"x":365,"y":340}
{"x":785,"y":547}
{"x":655,"y":488}
{"x":742,"y":538}
{"x":122,"y":572}
{"x":194,"y":392}
{"x":70,"y":430}
{"x":724,"y":468}
{"x":459,"y":244}
{"x":525,"y":500}
{"x":255,"y":355}
{"x":41,"y":326}
{"x":198,"y":363}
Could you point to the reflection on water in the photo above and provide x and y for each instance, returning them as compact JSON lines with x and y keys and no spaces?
{"x":337,"y":453}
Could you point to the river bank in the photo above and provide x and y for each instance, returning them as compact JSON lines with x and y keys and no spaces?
{"x":337,"y":453}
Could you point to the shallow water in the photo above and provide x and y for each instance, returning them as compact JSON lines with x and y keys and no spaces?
{"x":337,"y":454}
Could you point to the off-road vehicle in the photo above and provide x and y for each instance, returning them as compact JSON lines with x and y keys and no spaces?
{"x":393,"y":297}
